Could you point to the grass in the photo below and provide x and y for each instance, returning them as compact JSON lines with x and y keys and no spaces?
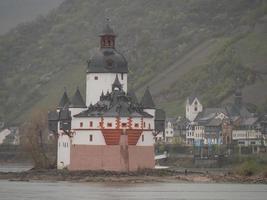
{"x":252,"y":165}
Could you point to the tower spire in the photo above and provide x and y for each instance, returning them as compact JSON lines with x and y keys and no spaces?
{"x":107,"y":37}
{"x":116,"y":84}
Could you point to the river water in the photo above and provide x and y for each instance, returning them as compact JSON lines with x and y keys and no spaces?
{"x":86,"y":191}
{"x":11,"y":190}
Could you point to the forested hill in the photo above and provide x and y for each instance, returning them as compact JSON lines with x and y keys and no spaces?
{"x":175,"y":47}
{"x":13,"y":12}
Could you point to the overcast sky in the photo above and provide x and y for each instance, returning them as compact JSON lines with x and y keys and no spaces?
{"x":13,"y":12}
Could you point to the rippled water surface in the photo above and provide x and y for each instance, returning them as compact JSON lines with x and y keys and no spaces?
{"x":81,"y":191}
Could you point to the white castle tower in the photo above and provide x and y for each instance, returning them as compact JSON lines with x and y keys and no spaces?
{"x":103,"y":68}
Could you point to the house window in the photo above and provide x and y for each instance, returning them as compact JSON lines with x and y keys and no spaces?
{"x":91,"y":124}
{"x":149,"y":126}
{"x":91,"y":138}
{"x":121,"y":76}
{"x":96,"y":77}
{"x":81,"y":124}
{"x":109,"y":124}
{"x":144,"y":124}
{"x":143,"y":138}
{"x":124,"y":124}
{"x":195,"y":108}
{"x":136,"y":125}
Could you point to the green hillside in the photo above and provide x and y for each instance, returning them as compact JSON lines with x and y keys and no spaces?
{"x":175,"y":47}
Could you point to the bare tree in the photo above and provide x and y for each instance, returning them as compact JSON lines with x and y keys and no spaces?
{"x":35,"y":141}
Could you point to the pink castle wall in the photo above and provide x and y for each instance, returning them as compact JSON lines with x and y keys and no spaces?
{"x":111,"y":157}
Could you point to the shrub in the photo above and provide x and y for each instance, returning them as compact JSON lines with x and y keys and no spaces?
{"x":248,"y":168}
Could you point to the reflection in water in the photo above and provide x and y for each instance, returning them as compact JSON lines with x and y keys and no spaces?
{"x":82,"y":191}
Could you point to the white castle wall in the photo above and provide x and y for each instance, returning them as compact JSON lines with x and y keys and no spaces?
{"x":146,"y":139}
{"x":82,"y":137}
{"x":63,"y":153}
{"x":103,"y":83}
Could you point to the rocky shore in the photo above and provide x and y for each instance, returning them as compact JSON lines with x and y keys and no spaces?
{"x":144,"y":176}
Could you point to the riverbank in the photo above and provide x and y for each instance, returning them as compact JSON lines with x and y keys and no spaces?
{"x":144,"y":176}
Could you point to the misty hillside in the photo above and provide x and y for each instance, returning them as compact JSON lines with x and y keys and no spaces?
{"x":13,"y":12}
{"x":175,"y":47}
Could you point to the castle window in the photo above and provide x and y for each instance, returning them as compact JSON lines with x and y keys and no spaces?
{"x":91,"y":124}
{"x":124,"y":124}
{"x":143,"y":138}
{"x":91,"y":138}
{"x":81,"y":124}
{"x":109,"y":124}
{"x":136,"y":125}
{"x":96,"y":77}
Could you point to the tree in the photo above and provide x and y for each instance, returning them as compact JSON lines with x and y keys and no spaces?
{"x":35,"y":141}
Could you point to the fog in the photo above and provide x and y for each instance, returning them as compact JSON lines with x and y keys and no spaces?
{"x":13,"y":12}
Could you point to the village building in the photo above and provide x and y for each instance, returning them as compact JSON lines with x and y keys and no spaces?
{"x":232,"y":123}
{"x":110,"y":130}
{"x":193,"y":107}
{"x":248,"y":133}
{"x":169,"y":130}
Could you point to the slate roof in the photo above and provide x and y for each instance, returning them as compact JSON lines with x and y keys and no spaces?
{"x":234,"y":110}
{"x":115,"y":104}
{"x":160,"y":115}
{"x":214,"y":122}
{"x":107,"y":30}
{"x":192,"y":97}
{"x":134,"y":98}
{"x":147,"y":100}
{"x":209,"y":113}
{"x":77,"y":100}
{"x":249,"y":121}
{"x":65,"y":114}
{"x":107,"y":60}
{"x":64,"y":101}
{"x":53,"y":116}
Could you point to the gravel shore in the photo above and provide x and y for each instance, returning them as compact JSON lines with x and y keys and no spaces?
{"x":144,"y":176}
